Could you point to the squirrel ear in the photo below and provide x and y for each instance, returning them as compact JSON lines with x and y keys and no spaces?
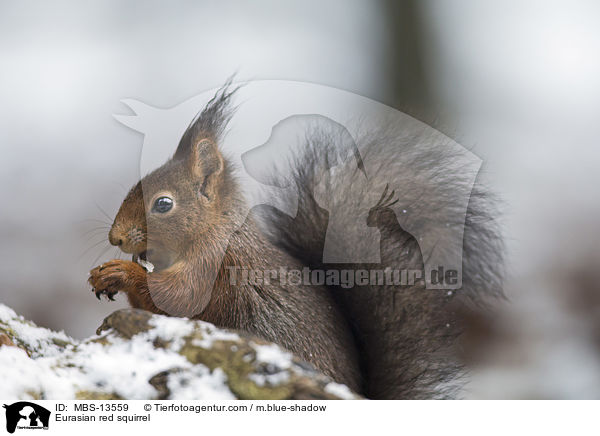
{"x":206,"y":162}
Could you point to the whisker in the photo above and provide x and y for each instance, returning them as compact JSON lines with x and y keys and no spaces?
{"x":121,"y":185}
{"x":102,"y":210}
{"x":93,"y":246}
{"x":117,"y":254}
{"x":100,"y":255}
{"x":94,"y":220}
{"x":92,"y":238}
{"x":95,"y":229}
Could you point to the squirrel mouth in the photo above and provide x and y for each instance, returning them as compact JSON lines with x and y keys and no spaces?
{"x":142,"y":260}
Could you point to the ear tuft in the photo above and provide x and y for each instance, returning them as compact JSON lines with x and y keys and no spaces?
{"x":198,"y":145}
{"x":210,"y":123}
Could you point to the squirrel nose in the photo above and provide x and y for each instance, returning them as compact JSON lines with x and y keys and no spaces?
{"x":113,"y":239}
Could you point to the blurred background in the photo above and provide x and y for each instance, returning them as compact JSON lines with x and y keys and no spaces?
{"x":517,"y":82}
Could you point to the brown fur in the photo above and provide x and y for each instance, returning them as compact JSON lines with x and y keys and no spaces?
{"x":187,"y":245}
{"x":381,"y":340}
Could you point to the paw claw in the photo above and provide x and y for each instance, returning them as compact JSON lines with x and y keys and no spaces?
{"x":109,"y":294}
{"x":115,"y":276}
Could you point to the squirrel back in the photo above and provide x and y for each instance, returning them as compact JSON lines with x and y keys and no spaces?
{"x":191,"y":241}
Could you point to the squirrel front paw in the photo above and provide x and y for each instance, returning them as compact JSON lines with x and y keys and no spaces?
{"x":116,"y":276}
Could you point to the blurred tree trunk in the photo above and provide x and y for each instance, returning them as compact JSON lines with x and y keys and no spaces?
{"x":408,"y":87}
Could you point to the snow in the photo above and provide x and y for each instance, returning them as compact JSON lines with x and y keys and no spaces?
{"x":200,"y":384}
{"x":7,"y":313}
{"x":273,"y":355}
{"x":210,"y":334}
{"x":270,"y":379}
{"x":34,"y":337}
{"x":340,"y":390}
{"x":125,"y":366}
{"x":170,"y":329}
{"x":22,"y":376}
{"x":122,"y":366}
{"x":111,"y":364}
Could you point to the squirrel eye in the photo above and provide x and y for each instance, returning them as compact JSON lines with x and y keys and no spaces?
{"x":162,"y":205}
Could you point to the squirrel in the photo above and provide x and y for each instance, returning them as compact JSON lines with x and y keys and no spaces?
{"x":184,"y":226}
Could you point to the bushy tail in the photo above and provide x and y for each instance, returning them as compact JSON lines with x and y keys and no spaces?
{"x":405,"y":332}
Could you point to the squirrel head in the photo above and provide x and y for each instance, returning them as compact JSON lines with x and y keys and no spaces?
{"x":180,"y":204}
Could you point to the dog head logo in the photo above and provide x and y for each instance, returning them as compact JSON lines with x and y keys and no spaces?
{"x":26,"y":415}
{"x":268,"y":129}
